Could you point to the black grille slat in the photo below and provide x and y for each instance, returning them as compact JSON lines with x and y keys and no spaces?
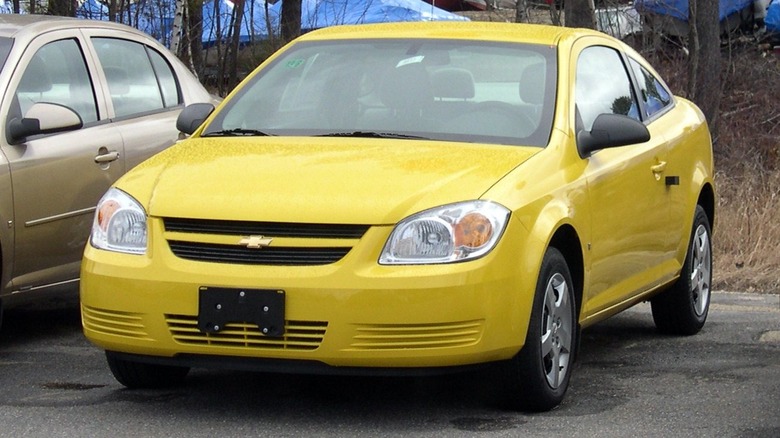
{"x":274,"y":229}
{"x":208,"y":252}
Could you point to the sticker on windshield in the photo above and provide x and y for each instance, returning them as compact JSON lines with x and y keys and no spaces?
{"x":295,"y":63}
{"x":412,"y":60}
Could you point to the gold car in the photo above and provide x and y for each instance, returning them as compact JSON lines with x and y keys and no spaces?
{"x":406,"y":198}
{"x":83,"y":102}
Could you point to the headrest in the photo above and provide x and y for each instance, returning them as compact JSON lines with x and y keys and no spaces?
{"x":532,"y":84}
{"x":117,"y":80}
{"x":454,"y":83}
{"x":406,"y":87}
{"x":36,"y":77}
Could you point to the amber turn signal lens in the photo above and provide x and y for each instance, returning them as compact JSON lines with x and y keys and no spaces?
{"x":473,"y":230}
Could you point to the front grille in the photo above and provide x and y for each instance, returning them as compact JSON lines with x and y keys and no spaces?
{"x":113,"y":323}
{"x":298,"y":335}
{"x":206,"y":252}
{"x":294,"y":244}
{"x":273,"y":229}
{"x":416,"y":336}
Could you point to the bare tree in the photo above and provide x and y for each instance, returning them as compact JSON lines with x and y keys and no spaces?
{"x":580,"y":13}
{"x":291,"y":20}
{"x":704,"y":81}
{"x":65,"y":8}
{"x":522,"y":11}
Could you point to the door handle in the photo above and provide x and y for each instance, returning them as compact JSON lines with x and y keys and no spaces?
{"x":106,"y":157}
{"x":658,"y":169}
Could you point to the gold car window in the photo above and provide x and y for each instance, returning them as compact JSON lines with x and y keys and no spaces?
{"x":132,"y":81}
{"x":57,"y":74}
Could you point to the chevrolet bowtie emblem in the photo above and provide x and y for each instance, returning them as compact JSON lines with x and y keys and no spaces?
{"x":255,"y":242}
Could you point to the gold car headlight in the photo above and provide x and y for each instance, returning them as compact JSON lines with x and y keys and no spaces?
{"x":119,"y":224}
{"x":451,"y":233}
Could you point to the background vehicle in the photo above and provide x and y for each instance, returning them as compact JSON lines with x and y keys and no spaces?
{"x":405,"y":198}
{"x":83,"y":101}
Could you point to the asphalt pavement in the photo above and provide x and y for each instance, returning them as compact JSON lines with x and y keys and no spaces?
{"x":630,"y":381}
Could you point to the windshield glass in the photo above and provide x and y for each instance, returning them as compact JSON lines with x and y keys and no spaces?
{"x":433,"y":89}
{"x":5,"y":49}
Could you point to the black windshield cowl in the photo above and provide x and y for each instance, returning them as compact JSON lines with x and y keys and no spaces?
{"x":237,"y":132}
{"x":372,"y":134}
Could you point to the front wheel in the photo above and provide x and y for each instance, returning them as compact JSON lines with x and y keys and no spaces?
{"x":683,"y":308}
{"x":538,"y":376}
{"x":135,"y":375}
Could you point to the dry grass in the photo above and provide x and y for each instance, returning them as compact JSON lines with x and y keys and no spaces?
{"x":747,"y":233}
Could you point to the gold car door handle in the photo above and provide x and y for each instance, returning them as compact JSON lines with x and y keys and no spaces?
{"x":107,"y":157}
{"x":658,"y":169}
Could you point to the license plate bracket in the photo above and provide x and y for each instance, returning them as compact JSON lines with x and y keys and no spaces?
{"x":218,"y":306}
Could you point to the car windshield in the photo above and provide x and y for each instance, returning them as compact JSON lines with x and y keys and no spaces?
{"x":5,"y":49}
{"x":467,"y":91}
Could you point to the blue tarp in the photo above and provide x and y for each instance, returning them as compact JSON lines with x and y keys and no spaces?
{"x":773,"y":17}
{"x":155,"y":17}
{"x":679,"y":8}
{"x":323,"y":13}
{"x":217,"y":15}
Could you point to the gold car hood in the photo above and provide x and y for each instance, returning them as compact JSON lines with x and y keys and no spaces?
{"x":325,"y":180}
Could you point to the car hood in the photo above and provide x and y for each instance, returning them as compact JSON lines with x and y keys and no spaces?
{"x":325,"y":180}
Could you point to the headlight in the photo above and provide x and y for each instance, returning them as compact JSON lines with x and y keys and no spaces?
{"x":451,"y":233}
{"x":119,"y":224}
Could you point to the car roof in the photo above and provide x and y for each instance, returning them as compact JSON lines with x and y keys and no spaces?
{"x":466,"y":30}
{"x":26,"y":25}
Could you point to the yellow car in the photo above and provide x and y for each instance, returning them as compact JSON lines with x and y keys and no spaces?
{"x":406,"y":198}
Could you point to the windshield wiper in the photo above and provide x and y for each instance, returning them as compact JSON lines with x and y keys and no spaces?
{"x":237,"y":132}
{"x":372,"y":134}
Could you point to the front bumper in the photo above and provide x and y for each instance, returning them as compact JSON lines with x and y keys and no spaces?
{"x":353,"y":313}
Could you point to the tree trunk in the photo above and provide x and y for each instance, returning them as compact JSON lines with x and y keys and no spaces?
{"x":64,"y":8}
{"x":521,"y":16}
{"x":291,"y":20}
{"x":178,"y":24}
{"x":704,"y":81}
{"x":195,"y":34}
{"x":579,"y":13}
{"x":235,"y":43}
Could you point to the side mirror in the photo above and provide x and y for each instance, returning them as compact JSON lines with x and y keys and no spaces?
{"x":43,"y":118}
{"x":609,"y":131}
{"x":192,"y":116}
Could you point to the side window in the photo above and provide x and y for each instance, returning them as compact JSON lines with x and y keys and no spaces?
{"x":57,"y":74}
{"x":655,"y":96}
{"x":602,"y":86}
{"x":166,"y":78}
{"x":132,"y":80}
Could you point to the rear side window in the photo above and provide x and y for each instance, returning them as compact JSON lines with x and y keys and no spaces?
{"x":655,"y":95}
{"x":139,"y":79}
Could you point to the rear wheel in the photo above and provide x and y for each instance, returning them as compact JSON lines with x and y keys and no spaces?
{"x":144,"y":375}
{"x":538,"y":376}
{"x":682,"y":310}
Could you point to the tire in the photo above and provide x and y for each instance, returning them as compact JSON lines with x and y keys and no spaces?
{"x":137,"y":375}
{"x":683,"y":308}
{"x":538,"y":376}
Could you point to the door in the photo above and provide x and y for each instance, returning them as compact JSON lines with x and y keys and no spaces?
{"x":57,"y":179}
{"x":143,"y":90}
{"x":626,"y":188}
